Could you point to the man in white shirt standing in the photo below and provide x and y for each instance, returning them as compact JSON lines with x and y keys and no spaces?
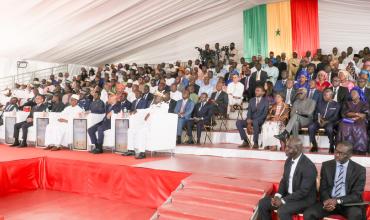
{"x":297,"y":188}
{"x":235,"y":91}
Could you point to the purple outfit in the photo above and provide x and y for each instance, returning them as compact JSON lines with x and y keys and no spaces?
{"x":356,"y":132}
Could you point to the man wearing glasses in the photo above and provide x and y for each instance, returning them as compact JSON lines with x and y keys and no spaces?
{"x":341,"y":187}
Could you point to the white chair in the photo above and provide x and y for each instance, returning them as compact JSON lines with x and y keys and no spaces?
{"x":162,"y":134}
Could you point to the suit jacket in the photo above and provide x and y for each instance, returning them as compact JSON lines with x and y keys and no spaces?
{"x":172,"y":105}
{"x":206,"y":112}
{"x":355,"y":181}
{"x":189,"y":106}
{"x":149,"y":98}
{"x":293,"y":94}
{"x":258,"y":112}
{"x":10,"y":107}
{"x":317,"y":95}
{"x":116,"y":108}
{"x":343,"y":94}
{"x":57,"y":107}
{"x":254,"y":83}
{"x":332,"y":112}
{"x":279,"y":86}
{"x":40,"y":108}
{"x":142,"y":104}
{"x":97,"y":107}
{"x":222,"y":101}
{"x":304,"y":181}
{"x":126,"y":105}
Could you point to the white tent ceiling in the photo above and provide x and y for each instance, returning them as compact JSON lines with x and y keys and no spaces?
{"x":94,"y":32}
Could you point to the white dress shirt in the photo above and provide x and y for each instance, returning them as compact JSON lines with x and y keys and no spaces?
{"x":291,"y":174}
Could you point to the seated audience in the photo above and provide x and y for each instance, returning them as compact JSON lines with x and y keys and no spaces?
{"x":256,"y":115}
{"x":184,"y":109}
{"x":290,"y":92}
{"x":280,"y":84}
{"x":294,"y":194}
{"x":345,"y":81}
{"x":57,"y":134}
{"x":303,"y":80}
{"x":268,"y":87}
{"x":258,"y":78}
{"x":353,"y":127}
{"x":325,"y":116}
{"x":342,"y":183}
{"x":139,"y":102}
{"x":276,"y":120}
{"x":39,"y":106}
{"x":340,"y":93}
{"x":202,"y":115}
{"x":171,"y":103}
{"x":300,"y":116}
{"x":125,"y":104}
{"x":97,"y":106}
{"x":175,"y":94}
{"x":112,"y":107}
{"x":313,"y":93}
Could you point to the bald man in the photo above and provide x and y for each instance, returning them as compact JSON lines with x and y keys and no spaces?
{"x":113,"y":106}
{"x":297,"y":188}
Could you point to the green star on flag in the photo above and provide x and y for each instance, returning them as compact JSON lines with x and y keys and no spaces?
{"x":277,"y":32}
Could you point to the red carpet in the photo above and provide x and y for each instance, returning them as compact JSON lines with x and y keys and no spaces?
{"x":53,"y":205}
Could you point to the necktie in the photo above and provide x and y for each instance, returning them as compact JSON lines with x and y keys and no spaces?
{"x":257,"y":101}
{"x":246,"y":84}
{"x":201,"y":106}
{"x":339,"y":183}
{"x":311,"y":93}
{"x":326,"y":109}
{"x":287,"y":101}
{"x":284,"y":81}
{"x":137,"y":102}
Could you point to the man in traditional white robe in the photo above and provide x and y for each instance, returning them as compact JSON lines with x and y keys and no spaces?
{"x":138,"y":134}
{"x":235,"y":91}
{"x":58,"y":133}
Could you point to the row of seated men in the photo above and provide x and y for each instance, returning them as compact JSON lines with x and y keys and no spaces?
{"x":342,"y":184}
{"x":189,"y":114}
{"x":274,"y":120}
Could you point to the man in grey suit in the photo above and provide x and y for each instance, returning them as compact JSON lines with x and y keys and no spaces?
{"x":184,"y":108}
{"x":289,"y":92}
{"x":220,"y":100}
{"x":300,"y":116}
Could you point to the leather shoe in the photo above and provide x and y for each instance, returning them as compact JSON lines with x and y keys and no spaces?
{"x":255,"y":146}
{"x":314,"y":147}
{"x":198,"y":142}
{"x":49,"y":147}
{"x":129,"y":153}
{"x":244,"y":145}
{"x":23,"y":144}
{"x":140,"y":156}
{"x":97,"y":151}
{"x":331,"y":150}
{"x":190,"y":141}
{"x":282,"y":136}
{"x":55,"y":148}
{"x":15,"y":144}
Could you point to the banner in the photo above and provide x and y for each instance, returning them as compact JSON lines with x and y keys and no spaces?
{"x":9,"y":129}
{"x":121,"y":130}
{"x":41,"y":124}
{"x":79,"y":134}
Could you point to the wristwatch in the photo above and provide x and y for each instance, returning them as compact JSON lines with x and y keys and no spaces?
{"x":339,"y":201}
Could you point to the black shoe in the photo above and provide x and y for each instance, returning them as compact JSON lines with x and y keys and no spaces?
{"x":178,"y":140}
{"x":198,"y":141}
{"x":23,"y":144}
{"x":314,"y":147}
{"x":129,"y":153}
{"x":15,"y":144}
{"x":283,"y":136}
{"x":97,"y":150}
{"x":255,"y":146}
{"x":140,"y":156}
{"x":190,"y":141}
{"x":245,"y":144}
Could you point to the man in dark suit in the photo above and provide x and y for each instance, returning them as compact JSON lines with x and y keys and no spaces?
{"x":341,"y":94}
{"x":280,"y":84}
{"x":246,"y":81}
{"x":171,"y":102}
{"x":258,"y":78}
{"x":97,"y":106}
{"x":139,"y":102}
{"x":342,"y":182}
{"x":361,"y":82}
{"x":302,"y":67}
{"x":325,"y":116}
{"x":147,"y":96}
{"x":220,"y":100}
{"x":297,"y":188}
{"x":257,"y":111}
{"x":184,"y":108}
{"x":11,"y":105}
{"x":112,"y":107}
{"x":56,"y":103}
{"x":125,"y":104}
{"x":290,"y":92}
{"x":202,"y":114}
{"x":313,"y":93}
{"x":24,"y":125}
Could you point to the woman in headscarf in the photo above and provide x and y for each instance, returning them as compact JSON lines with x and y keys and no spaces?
{"x":353,"y":127}
{"x":276,"y":120}
{"x":345,"y":81}
{"x":303,"y":80}
{"x":322,"y":81}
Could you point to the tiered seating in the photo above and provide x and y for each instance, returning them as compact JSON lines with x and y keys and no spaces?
{"x":209,"y":197}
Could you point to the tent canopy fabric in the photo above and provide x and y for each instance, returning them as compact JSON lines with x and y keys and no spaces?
{"x":93,"y":32}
